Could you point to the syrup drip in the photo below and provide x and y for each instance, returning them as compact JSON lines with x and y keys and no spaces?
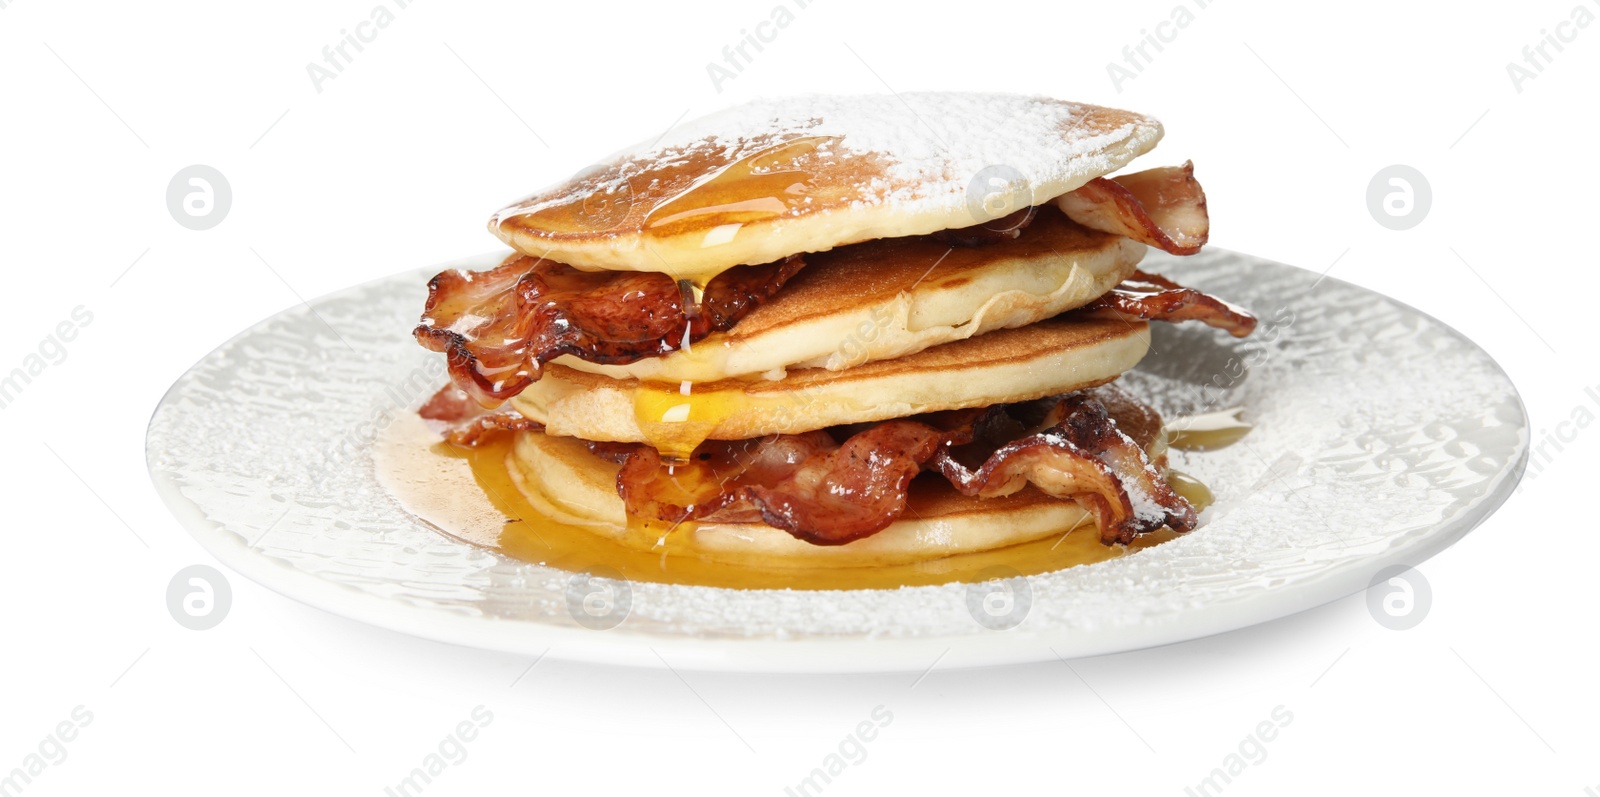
{"x":767,"y":183}
{"x":675,"y":419}
{"x":695,"y":213}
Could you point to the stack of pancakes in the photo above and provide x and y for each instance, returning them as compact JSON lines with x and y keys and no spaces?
{"x":939,"y":266}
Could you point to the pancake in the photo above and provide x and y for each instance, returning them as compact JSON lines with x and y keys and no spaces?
{"x":883,"y":299}
{"x":1009,"y":365}
{"x":771,"y":178}
{"x":565,"y":482}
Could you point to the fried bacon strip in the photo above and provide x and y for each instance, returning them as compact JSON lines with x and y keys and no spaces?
{"x":1152,"y":297}
{"x":830,"y":493}
{"x":1084,"y":456}
{"x":1163,"y":207}
{"x":1149,"y":297}
{"x":807,"y":484}
{"x":499,"y":327}
{"x":469,"y":423}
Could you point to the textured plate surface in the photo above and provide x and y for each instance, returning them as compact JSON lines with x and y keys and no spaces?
{"x":1381,"y":437}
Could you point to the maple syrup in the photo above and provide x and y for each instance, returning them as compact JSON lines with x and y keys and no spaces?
{"x":468,"y":494}
{"x":695,"y":214}
{"x":1193,"y":490}
{"x":765,"y":184}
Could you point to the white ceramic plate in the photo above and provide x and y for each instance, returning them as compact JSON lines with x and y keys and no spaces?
{"x":1381,"y":437}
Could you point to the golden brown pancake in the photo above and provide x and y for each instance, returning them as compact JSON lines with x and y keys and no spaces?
{"x":1009,"y":365}
{"x":883,"y":299}
{"x":565,"y":482}
{"x":768,"y":179}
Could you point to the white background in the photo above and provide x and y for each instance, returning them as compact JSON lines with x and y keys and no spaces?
{"x":1288,"y":111}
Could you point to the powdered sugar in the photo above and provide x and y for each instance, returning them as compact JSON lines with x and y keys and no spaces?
{"x":935,"y":142}
{"x":930,"y":145}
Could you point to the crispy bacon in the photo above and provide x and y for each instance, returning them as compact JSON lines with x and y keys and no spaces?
{"x":1082,"y":455}
{"x":807,"y":484}
{"x":468,"y":422}
{"x":1152,"y":297}
{"x":1163,"y":207}
{"x":830,"y":493}
{"x":499,"y":327}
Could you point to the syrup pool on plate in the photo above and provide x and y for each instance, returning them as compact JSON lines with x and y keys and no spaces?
{"x":468,"y":494}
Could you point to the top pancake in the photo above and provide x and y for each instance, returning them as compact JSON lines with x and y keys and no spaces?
{"x":772,"y":178}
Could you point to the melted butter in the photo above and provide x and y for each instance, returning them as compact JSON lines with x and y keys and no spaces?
{"x":468,"y":494}
{"x":675,"y":419}
{"x":1208,"y":431}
